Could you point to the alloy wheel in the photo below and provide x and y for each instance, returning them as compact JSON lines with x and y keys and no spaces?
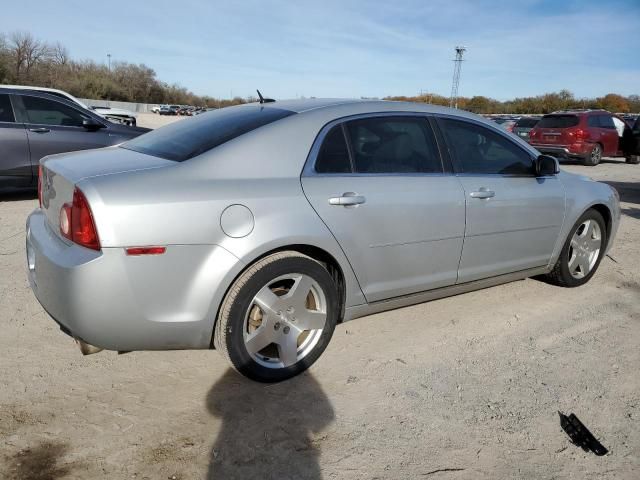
{"x":584,"y":248}
{"x":285,"y":320}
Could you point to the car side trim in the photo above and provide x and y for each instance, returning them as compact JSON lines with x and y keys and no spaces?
{"x":358,"y":311}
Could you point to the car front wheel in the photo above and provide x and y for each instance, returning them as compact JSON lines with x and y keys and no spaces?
{"x":581,"y":253}
{"x":278,"y":317}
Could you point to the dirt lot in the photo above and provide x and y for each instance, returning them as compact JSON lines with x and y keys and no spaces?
{"x":465,"y":387}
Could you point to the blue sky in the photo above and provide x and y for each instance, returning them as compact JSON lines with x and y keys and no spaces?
{"x":353,"y":48}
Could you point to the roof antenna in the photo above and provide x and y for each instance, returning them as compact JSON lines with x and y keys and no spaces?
{"x":264,"y":100}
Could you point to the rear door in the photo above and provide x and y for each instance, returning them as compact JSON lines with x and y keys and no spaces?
{"x":513,"y":217}
{"x":15,"y":166}
{"x":55,"y":127}
{"x":378,"y":183}
{"x":609,"y":135}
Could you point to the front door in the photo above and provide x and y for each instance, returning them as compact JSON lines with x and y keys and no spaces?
{"x":609,"y":135}
{"x":378,"y":184}
{"x":54,"y":127}
{"x":513,"y":217}
{"x":15,"y":167}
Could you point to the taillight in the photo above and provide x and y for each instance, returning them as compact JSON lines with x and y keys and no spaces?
{"x":581,"y":134}
{"x":76,"y":222}
{"x":40,"y":185}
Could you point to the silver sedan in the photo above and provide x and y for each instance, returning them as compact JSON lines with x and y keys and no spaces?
{"x":256,"y":229}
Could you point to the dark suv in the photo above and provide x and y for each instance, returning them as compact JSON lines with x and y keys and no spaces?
{"x":584,"y":134}
{"x":35,"y":124}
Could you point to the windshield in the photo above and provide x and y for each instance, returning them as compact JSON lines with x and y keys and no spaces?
{"x":558,"y":121}
{"x":186,"y":139}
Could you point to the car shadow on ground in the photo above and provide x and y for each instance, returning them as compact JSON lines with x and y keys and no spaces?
{"x":268,"y":431}
{"x":629,"y":191}
{"x":16,"y":195}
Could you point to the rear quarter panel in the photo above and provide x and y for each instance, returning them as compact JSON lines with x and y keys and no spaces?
{"x":182,"y":205}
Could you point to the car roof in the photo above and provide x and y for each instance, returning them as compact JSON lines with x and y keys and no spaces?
{"x":57,"y":93}
{"x":334,"y":108}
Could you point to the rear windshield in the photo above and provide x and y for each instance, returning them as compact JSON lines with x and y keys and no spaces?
{"x":185,"y":139}
{"x":527,"y":122}
{"x":558,"y":121}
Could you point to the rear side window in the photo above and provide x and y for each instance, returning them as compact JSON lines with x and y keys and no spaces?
{"x":606,"y":121}
{"x":393,"y":145}
{"x":478,"y":149}
{"x":527,"y":122}
{"x":593,"y":121}
{"x":42,"y":111}
{"x":334,"y":154}
{"x":186,"y":139}
{"x":6,"y":112}
{"x":559,"y":121}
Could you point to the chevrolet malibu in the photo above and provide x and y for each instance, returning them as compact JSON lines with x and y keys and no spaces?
{"x":255,"y":229}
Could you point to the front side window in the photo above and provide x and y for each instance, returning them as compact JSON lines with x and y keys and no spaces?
{"x":6,"y":112}
{"x":477,"y":149}
{"x":180,"y":141}
{"x":393,"y":145}
{"x":42,"y":111}
{"x":334,"y":154}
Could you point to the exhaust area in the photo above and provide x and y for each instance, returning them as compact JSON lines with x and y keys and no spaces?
{"x":87,"y":348}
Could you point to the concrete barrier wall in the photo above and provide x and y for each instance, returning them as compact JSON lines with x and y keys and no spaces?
{"x":134,"y":107}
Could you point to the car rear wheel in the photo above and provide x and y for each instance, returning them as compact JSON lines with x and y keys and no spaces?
{"x":594,"y":157}
{"x":581,"y":253}
{"x":633,"y":159}
{"x":278,"y":317}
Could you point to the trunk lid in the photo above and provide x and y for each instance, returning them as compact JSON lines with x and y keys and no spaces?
{"x":61,"y":173}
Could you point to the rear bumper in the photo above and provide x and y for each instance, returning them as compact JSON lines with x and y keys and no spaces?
{"x":578,"y":150}
{"x":124,"y":303}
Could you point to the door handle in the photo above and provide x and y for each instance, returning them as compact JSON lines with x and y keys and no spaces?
{"x":39,"y":130}
{"x":347,"y":199}
{"x":483,"y":193}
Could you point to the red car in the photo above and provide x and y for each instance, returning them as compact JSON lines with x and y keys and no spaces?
{"x":584,"y":134}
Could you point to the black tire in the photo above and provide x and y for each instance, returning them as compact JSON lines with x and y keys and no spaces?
{"x":594,"y":156}
{"x":229,"y":335}
{"x":560,"y":275}
{"x":633,"y":159}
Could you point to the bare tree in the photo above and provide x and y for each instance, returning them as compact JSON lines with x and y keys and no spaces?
{"x":26,"y":52}
{"x":59,"y":54}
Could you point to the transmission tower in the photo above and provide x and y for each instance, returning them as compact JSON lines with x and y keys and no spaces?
{"x":457,"y":66}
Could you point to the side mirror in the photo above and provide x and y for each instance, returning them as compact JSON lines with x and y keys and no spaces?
{"x":547,"y":165}
{"x":91,"y":125}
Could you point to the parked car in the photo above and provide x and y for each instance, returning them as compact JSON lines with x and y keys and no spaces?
{"x":170,"y":110}
{"x":524,"y":125}
{"x":632,"y":143}
{"x":508,"y":125}
{"x":116,"y":115}
{"x":156,"y":108}
{"x":35,"y":124}
{"x":587,"y":135}
{"x":126,"y":117}
{"x":185,"y":110}
{"x":279,"y":220}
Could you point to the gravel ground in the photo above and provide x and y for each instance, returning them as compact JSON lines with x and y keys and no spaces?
{"x":464,"y":387}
